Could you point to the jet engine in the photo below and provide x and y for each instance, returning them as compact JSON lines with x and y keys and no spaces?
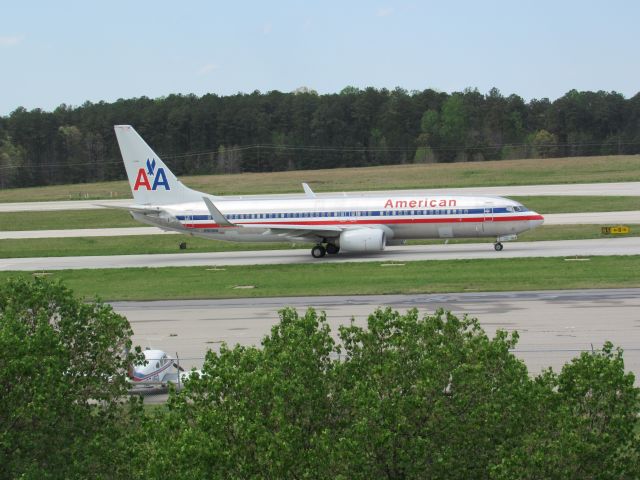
{"x":362,"y":240}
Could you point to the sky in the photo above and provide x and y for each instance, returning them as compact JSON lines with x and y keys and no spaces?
{"x":69,"y":52}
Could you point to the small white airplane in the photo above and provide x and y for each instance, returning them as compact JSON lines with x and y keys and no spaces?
{"x":353,"y":223}
{"x":158,"y":370}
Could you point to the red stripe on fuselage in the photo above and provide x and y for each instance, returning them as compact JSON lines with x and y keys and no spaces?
{"x":383,"y":221}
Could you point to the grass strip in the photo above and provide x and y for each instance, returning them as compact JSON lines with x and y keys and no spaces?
{"x":152,"y":244}
{"x":126,"y":245}
{"x":105,"y":218}
{"x":614,"y":168}
{"x":579,"y":204}
{"x":66,"y":220}
{"x":349,"y":278}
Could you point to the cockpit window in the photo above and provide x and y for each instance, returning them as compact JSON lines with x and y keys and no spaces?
{"x":519,"y":208}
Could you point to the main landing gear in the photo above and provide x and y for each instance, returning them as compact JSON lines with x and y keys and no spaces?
{"x":332,"y":249}
{"x":320,"y":250}
{"x":498,"y":246}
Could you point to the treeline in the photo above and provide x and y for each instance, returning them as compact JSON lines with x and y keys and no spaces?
{"x":278,"y":131}
{"x":404,"y":398}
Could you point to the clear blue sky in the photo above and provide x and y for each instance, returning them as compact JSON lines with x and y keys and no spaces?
{"x":54,"y":52}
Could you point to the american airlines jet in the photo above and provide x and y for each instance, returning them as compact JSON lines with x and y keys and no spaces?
{"x":353,"y":223}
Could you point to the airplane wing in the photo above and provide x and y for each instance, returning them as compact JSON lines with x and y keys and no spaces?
{"x":304,"y":231}
{"x":299,"y":231}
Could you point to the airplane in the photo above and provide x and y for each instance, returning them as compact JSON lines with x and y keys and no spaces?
{"x":333,"y":223}
{"x":157,"y":370}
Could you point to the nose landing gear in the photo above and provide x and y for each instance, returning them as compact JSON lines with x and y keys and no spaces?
{"x":498,"y":246}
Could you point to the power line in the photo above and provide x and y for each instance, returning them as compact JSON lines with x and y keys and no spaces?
{"x":317,"y":148}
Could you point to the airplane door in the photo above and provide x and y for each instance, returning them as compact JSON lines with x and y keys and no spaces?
{"x":488,"y":214}
{"x":487,"y":219}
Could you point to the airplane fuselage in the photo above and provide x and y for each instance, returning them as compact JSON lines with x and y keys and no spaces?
{"x":403,"y":217}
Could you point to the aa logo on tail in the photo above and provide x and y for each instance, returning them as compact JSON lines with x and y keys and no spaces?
{"x":158,"y":176}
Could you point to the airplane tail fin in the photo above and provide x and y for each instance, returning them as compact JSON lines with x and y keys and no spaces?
{"x":151,"y":181}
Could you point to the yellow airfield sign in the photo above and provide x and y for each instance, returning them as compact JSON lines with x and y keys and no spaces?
{"x":617,"y":230}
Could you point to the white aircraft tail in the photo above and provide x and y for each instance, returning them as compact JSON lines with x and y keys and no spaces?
{"x":151,"y":181}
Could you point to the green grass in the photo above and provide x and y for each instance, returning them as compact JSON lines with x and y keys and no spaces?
{"x":620,"y":168}
{"x":126,"y":245}
{"x":579,"y":204}
{"x":350,"y":278}
{"x":66,"y":219}
{"x":150,"y":244}
{"x":105,"y":218}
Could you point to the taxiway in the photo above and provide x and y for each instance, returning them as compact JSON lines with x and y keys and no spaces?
{"x":554,"y":326}
{"x":406,"y":253}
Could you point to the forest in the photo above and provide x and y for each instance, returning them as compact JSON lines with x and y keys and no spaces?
{"x":276,"y":131}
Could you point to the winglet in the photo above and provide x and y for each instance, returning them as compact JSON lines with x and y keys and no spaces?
{"x":308,"y":191}
{"x":216,"y":215}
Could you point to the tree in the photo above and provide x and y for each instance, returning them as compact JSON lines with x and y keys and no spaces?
{"x":355,"y":127}
{"x":429,"y":397}
{"x":583,"y":423}
{"x":11,"y":159}
{"x":428,"y":137}
{"x":254,"y":413}
{"x":405,"y":397}
{"x":454,"y":127}
{"x":63,"y":375}
{"x":543,"y":143}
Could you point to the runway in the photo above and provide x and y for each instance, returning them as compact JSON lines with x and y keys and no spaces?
{"x":407,"y":253}
{"x":587,"y":189}
{"x":554,"y":326}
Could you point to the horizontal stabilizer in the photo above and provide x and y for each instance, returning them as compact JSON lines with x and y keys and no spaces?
{"x":132,"y":208}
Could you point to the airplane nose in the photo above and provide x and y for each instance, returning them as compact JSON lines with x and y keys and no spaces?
{"x":536,"y":221}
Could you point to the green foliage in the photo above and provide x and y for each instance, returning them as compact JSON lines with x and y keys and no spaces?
{"x":454,"y":124}
{"x":254,"y":413}
{"x":406,"y":397}
{"x":544,"y":144}
{"x":431,"y":397}
{"x":63,"y":373}
{"x":403,"y":397}
{"x":584,"y":423}
{"x":11,"y":160}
